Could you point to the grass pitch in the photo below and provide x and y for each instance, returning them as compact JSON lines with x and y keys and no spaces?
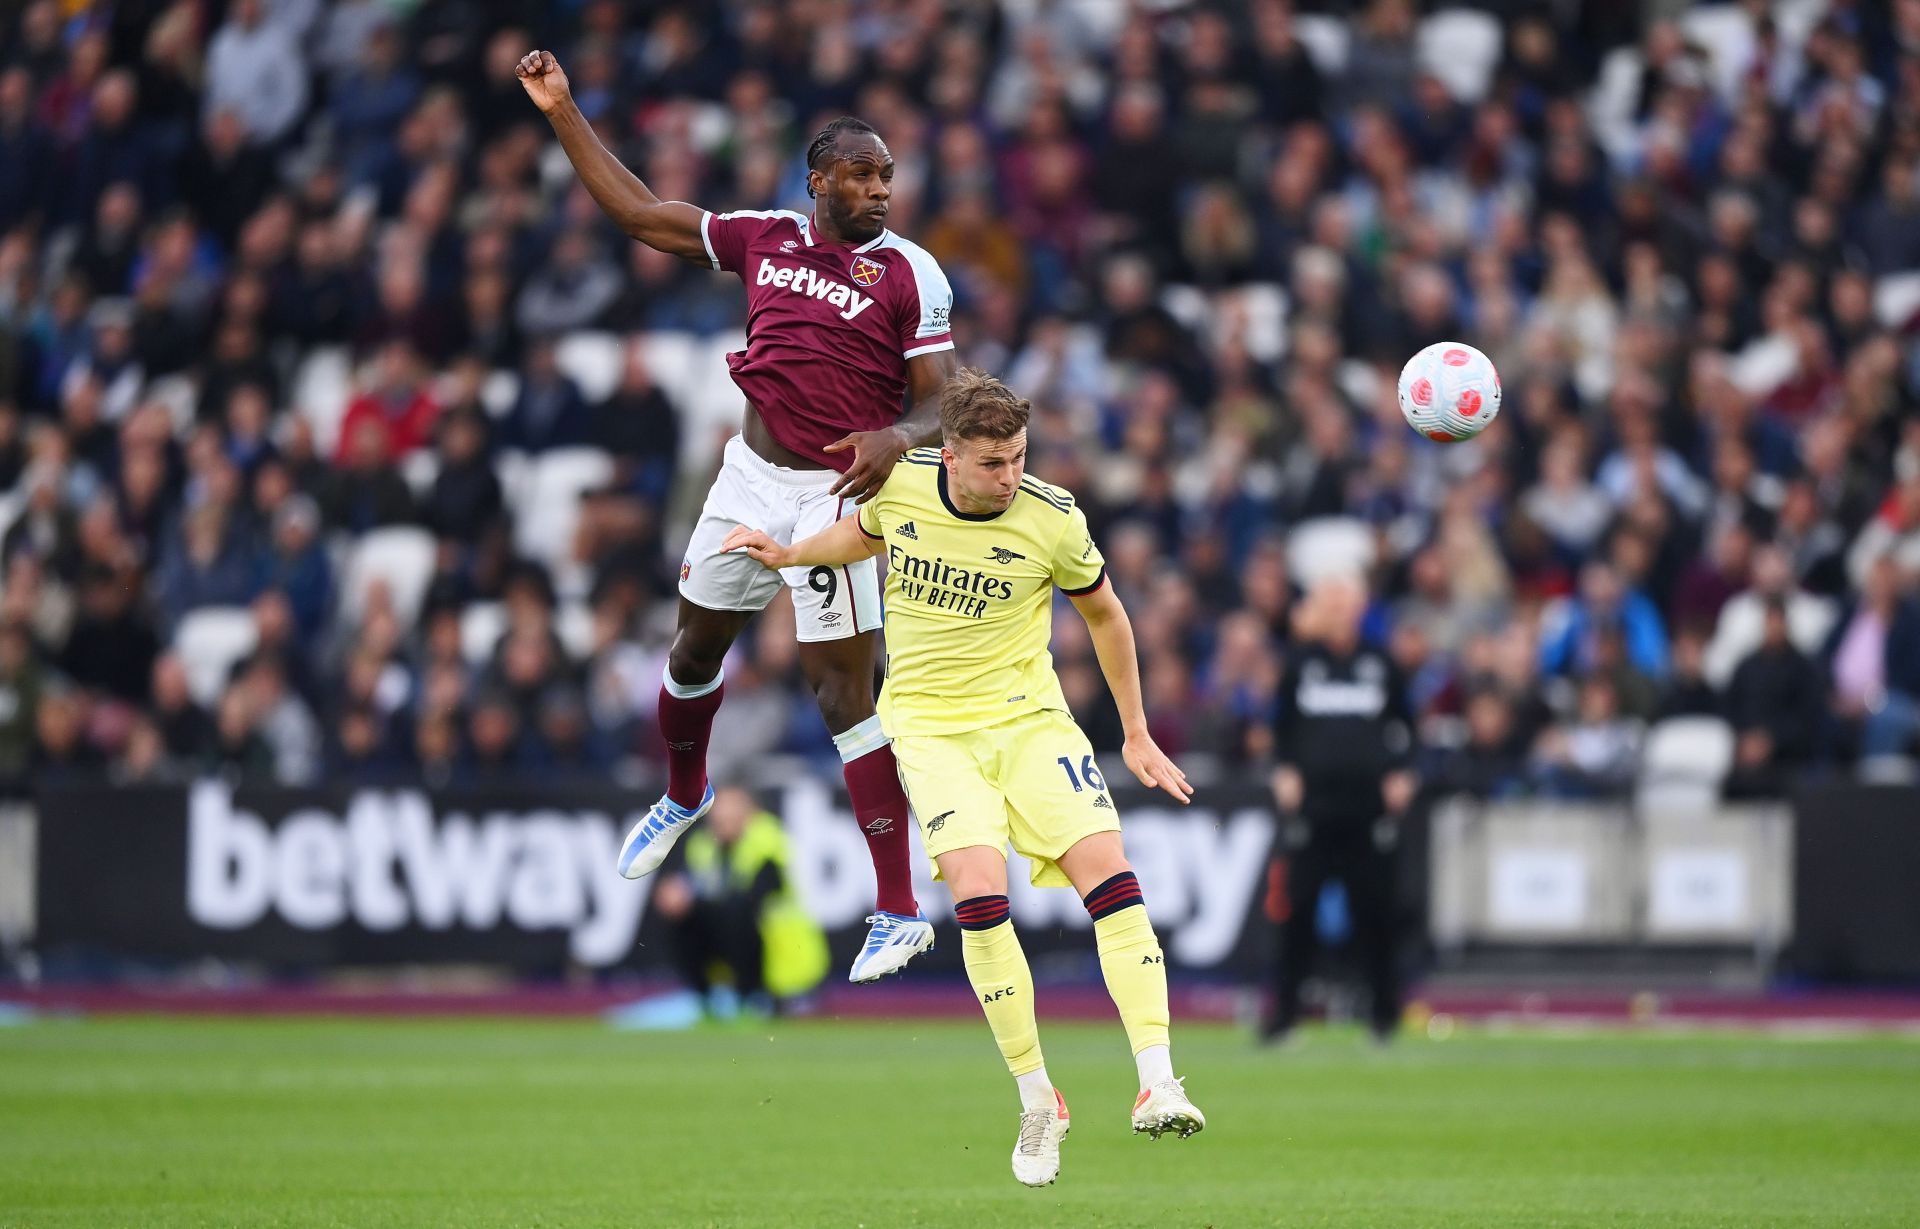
{"x":172,"y":1122}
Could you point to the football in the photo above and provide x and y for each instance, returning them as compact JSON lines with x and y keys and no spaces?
{"x":1449,"y":392}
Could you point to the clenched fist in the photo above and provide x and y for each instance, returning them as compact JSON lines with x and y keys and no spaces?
{"x":544,"y":80}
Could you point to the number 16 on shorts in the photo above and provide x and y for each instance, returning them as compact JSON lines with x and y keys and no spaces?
{"x":1088,"y":776}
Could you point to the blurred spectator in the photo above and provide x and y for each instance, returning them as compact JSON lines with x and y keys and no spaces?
{"x":21,"y":684}
{"x":398,"y":399}
{"x":1774,"y":703}
{"x":205,"y":564}
{"x":549,"y":411}
{"x":62,"y":752}
{"x":1686,"y":692}
{"x":734,"y":907}
{"x":1593,"y":754}
{"x":365,"y":492}
{"x":112,"y":645}
{"x":1202,"y":251}
{"x":571,"y":290}
{"x":254,"y":69}
{"x":1740,"y":628}
{"x":465,"y":502}
{"x":1492,"y":763}
{"x":1604,"y":603}
{"x":186,"y":731}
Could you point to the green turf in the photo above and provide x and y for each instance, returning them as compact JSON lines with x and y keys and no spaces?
{"x":416,"y":1123}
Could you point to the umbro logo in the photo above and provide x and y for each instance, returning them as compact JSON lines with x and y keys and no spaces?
{"x":1001,"y":554}
{"x":1100,"y":803}
{"x":883,"y":824}
{"x":938,"y":822}
{"x":674,"y":746}
{"x":908,"y":531}
{"x":790,"y":245}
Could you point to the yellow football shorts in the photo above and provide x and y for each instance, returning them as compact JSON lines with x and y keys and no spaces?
{"x":1031,"y":781}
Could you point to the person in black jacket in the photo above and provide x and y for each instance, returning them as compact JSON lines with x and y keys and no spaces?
{"x":1344,"y":740}
{"x":1775,"y":702}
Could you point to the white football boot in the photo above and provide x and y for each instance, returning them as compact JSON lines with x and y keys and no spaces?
{"x":1036,"y":1152}
{"x":892,"y":940}
{"x":1164,"y":1107}
{"x":651,"y":840}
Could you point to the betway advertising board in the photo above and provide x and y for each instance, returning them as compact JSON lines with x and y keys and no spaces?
{"x":525,"y":877}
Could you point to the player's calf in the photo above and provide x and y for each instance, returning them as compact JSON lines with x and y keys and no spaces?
{"x":1135,"y":971}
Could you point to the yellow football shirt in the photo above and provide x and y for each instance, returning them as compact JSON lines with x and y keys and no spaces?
{"x":969,"y":598}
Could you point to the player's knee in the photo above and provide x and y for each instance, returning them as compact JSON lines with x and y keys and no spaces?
{"x":693,"y":663}
{"x":845,"y":700}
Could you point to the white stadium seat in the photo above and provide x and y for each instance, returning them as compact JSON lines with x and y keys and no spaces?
{"x":1326,"y":40}
{"x":210,"y":640}
{"x":420,"y":468}
{"x":400,"y":555}
{"x":1462,"y":48}
{"x":1329,"y":546}
{"x":549,"y":504}
{"x":498,"y":392}
{"x":673,"y":360}
{"x":481,"y":626}
{"x":322,"y":387}
{"x":1896,"y":298}
{"x":573,"y":623}
{"x":591,"y":360}
{"x":1683,"y":762}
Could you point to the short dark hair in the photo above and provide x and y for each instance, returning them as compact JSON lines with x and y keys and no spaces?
{"x":976,"y":406}
{"x":820,"y":149}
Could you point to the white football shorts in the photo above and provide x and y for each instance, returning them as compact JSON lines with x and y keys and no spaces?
{"x":789,"y":504}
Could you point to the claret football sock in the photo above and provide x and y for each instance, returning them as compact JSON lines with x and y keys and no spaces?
{"x":1134,"y":968}
{"x":686,"y":724}
{"x":1001,"y":981}
{"x":880,"y":808}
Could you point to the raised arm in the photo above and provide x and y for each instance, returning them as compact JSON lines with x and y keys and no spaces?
{"x":672,"y":227}
{"x":1112,"y":634}
{"x":844,"y":541}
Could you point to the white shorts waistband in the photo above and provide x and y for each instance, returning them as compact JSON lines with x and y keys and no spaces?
{"x":738,"y":453}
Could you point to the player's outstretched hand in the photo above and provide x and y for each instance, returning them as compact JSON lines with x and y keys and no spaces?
{"x":758,"y":546}
{"x":543,"y":79}
{"x":1149,"y":763}
{"x":874,"y":455}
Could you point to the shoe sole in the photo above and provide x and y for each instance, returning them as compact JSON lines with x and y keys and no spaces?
{"x":1184,"y":1125}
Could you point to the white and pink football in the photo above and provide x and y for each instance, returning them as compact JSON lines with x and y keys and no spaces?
{"x":1449,"y":392}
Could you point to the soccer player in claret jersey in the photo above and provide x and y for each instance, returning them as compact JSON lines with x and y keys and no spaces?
{"x":988,"y":750}
{"x":845,"y":321}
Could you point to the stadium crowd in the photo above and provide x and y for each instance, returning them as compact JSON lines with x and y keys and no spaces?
{"x":1201,"y":237}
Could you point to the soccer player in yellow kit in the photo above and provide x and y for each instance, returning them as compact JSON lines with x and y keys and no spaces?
{"x":985,"y":743}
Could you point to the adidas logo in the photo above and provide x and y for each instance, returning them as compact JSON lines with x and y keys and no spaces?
{"x":909,"y":532}
{"x":1001,"y":554}
{"x":938,"y":822}
{"x":1100,"y":803}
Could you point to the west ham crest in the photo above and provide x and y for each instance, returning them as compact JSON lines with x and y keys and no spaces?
{"x":866,"y":272}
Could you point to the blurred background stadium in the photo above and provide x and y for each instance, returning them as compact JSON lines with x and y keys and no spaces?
{"x":346,"y":455}
{"x":347,"y":452}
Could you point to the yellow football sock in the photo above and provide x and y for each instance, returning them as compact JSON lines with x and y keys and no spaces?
{"x":1130,"y":960}
{"x":1001,"y":980}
